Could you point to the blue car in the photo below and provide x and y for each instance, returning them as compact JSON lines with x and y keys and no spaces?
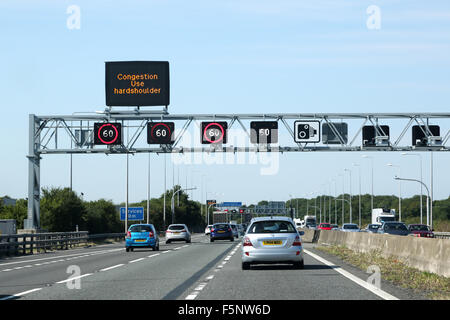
{"x":142,"y":236}
{"x":221,"y":231}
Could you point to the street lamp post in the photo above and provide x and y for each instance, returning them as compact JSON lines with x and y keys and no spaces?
{"x":429,"y":219}
{"x":359,"y":168}
{"x":421,"y":180}
{"x":400,"y":192}
{"x":173,"y":202}
{"x":371,"y":199}
{"x":350,"y":173}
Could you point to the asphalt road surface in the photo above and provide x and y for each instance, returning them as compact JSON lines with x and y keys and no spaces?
{"x":179,"y":271}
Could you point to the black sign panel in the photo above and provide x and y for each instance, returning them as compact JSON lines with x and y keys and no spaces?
{"x":108,"y":133}
{"x":137,"y":83}
{"x":214,"y":132}
{"x":160,"y":132}
{"x":330,"y":137}
{"x":419,"y":137}
{"x":369,"y":134}
{"x":264,"y":132}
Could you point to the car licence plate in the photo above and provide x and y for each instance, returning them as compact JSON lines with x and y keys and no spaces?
{"x":221,"y":231}
{"x":140,"y":240}
{"x":272,"y":243}
{"x":176,"y":233}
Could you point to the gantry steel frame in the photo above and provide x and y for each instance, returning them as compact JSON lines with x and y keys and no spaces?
{"x":78,"y":127}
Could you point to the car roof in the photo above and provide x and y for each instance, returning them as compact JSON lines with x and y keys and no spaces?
{"x":349,"y":224}
{"x":279,"y":218}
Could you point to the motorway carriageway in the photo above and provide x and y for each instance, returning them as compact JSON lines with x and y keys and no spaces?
{"x":180,"y":271}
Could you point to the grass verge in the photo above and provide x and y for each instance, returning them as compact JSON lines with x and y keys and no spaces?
{"x":428,"y":284}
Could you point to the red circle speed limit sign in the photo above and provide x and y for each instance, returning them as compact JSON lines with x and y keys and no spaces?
{"x":107,"y":133}
{"x":214,"y":132}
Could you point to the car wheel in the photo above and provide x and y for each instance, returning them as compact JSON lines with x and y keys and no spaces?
{"x":211,"y":240}
{"x":167,"y":241}
{"x":188,"y":241}
{"x":232,"y":239}
{"x":245,"y":266}
{"x":127,"y":249}
{"x":131,"y":249}
{"x":299,"y":265}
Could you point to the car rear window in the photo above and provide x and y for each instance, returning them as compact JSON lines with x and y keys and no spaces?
{"x":396,"y":226}
{"x":221,"y":226}
{"x":325,"y":225}
{"x":142,"y":228}
{"x":350,"y":226}
{"x":419,"y":228}
{"x":272,"y":227}
{"x":177,"y":227}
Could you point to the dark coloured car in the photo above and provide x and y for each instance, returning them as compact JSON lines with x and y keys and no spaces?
{"x":221,"y":231}
{"x":421,"y":230}
{"x":394,"y":228}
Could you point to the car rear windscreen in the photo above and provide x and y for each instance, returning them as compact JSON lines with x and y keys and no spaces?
{"x":272,"y":227}
{"x":395,"y":226}
{"x":350,"y":226}
{"x":142,"y":228}
{"x":177,"y":227}
{"x":221,"y":226}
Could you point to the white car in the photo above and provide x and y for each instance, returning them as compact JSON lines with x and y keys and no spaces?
{"x":272,"y":240}
{"x":208,"y":229}
{"x":178,"y":232}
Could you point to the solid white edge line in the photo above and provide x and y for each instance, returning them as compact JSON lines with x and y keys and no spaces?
{"x":109,"y":268}
{"x":20,"y":294}
{"x":133,"y":261}
{"x":74,"y":278}
{"x":362,"y":283}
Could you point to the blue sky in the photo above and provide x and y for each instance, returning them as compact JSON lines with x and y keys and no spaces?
{"x":234,"y":56}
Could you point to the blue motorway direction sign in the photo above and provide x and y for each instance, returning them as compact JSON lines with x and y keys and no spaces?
{"x":230,"y":204}
{"x":134,"y":213}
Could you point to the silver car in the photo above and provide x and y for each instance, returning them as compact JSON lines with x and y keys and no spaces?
{"x":272,"y":240}
{"x":178,"y":232}
{"x":235,"y":230}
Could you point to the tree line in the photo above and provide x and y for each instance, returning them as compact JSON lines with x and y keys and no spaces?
{"x":63,"y":209}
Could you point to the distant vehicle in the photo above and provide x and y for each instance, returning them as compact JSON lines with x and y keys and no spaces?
{"x":394,"y":228}
{"x":421,"y":230}
{"x":324,"y":226}
{"x":299,"y":223}
{"x":334,"y":227}
{"x":208,"y":229}
{"x":221,"y":231}
{"x":178,"y":232}
{"x":272,"y":240}
{"x":235,"y":230}
{"x":350,"y":227}
{"x":141,"y":236}
{"x":372,"y":228}
{"x":380,"y":215}
{"x":241,"y":229}
{"x":310,"y":222}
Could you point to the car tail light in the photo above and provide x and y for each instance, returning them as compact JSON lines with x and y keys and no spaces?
{"x":247,"y":242}
{"x":168,"y":231}
{"x":151,"y":234}
{"x":229,"y":229}
{"x":297,"y":242}
{"x":183,"y":230}
{"x":128,"y":234}
{"x":212,"y":229}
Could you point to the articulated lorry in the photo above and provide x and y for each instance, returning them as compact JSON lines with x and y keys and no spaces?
{"x":379,"y":215}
